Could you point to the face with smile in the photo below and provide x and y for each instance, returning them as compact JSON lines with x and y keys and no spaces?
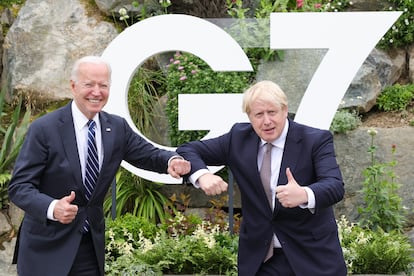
{"x":90,"y":87}
{"x":267,"y":119}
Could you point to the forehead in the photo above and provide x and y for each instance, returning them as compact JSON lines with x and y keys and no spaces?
{"x":260,"y":105}
{"x":93,"y":70}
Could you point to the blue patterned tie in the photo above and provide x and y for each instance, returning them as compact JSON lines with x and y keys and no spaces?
{"x":92,"y":166}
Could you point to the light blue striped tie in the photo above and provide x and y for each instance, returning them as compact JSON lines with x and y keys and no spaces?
{"x":92,"y":166}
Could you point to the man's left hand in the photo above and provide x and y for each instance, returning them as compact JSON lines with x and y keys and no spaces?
{"x":292,"y":194}
{"x":179,"y":167}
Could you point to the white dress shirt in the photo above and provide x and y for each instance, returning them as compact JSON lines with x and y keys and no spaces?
{"x":80,"y":123}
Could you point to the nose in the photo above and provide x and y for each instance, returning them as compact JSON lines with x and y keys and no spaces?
{"x":266,"y":119}
{"x":95,"y":90}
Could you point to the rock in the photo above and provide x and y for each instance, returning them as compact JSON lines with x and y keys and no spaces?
{"x":39,"y":50}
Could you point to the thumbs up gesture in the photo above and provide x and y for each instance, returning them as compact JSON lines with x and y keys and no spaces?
{"x":65,"y":211}
{"x":292,"y":194}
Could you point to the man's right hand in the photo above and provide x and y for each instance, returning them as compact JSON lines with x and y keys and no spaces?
{"x":212,"y":184}
{"x":65,"y":212}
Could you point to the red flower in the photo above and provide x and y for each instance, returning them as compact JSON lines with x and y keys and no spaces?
{"x":299,"y":3}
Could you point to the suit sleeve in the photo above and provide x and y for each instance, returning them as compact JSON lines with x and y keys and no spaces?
{"x":143,"y":154}
{"x":328,"y":186}
{"x":24,"y":186}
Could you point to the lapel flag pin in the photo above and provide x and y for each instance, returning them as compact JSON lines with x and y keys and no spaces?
{"x":108,"y":129}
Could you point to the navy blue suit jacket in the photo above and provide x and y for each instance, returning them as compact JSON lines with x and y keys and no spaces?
{"x":310,"y":240}
{"x":48,"y":168}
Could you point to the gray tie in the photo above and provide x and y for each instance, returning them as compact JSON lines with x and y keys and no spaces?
{"x":265,"y":175}
{"x":266,"y":171}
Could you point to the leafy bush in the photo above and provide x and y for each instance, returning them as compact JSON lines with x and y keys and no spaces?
{"x":396,"y":97}
{"x":135,"y":245}
{"x":201,"y":252}
{"x":401,"y":34}
{"x":138,"y":196}
{"x":344,"y":121}
{"x":12,"y":133}
{"x":121,"y":237}
{"x":143,"y":96}
{"x":206,"y":249}
{"x":377,"y":252}
{"x":132,"y":224}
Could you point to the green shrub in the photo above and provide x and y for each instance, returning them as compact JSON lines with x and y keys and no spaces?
{"x":134,"y":245}
{"x":401,"y":34}
{"x":131,"y":242}
{"x":132,"y":224}
{"x":374,"y":252}
{"x":190,"y":254}
{"x":396,"y":97}
{"x":344,"y":121}
{"x":12,"y":132}
{"x":127,"y":265}
{"x":137,"y":196}
{"x":121,"y":237}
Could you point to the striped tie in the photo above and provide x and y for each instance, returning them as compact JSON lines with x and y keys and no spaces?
{"x":92,"y":166}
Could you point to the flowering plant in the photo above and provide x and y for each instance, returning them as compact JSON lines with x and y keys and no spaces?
{"x":401,"y":33}
{"x":134,"y":246}
{"x":208,"y":249}
{"x":369,"y":251}
{"x":383,"y":208}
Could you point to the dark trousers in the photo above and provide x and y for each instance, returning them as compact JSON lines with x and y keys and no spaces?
{"x":85,"y":263}
{"x":277,"y":265}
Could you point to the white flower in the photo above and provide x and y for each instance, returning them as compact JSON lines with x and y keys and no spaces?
{"x":372,"y":131}
{"x":123,"y":14}
{"x":122,"y":11}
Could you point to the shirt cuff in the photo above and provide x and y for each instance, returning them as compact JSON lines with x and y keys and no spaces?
{"x":174,"y":157}
{"x":51,"y":209}
{"x":196,"y":175}
{"x":311,"y":200}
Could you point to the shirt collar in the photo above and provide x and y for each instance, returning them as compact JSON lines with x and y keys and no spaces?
{"x":79,"y":119}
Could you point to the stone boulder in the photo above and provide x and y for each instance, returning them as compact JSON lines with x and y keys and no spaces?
{"x":42,"y":44}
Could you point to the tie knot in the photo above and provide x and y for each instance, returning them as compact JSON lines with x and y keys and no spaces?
{"x":91,"y":123}
{"x":268,"y":147}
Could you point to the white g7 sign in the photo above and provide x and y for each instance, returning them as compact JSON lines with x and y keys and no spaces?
{"x":349,"y":38}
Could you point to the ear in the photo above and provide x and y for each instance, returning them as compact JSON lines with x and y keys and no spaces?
{"x":72,"y":84}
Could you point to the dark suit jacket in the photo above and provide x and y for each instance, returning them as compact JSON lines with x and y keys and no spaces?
{"x":310,"y":241}
{"x":48,"y":168}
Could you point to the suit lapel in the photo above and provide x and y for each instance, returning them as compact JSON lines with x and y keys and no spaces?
{"x":107,"y":135}
{"x":252,"y":151}
{"x":107,"y":138}
{"x":68,"y":136}
{"x":291,"y":152}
